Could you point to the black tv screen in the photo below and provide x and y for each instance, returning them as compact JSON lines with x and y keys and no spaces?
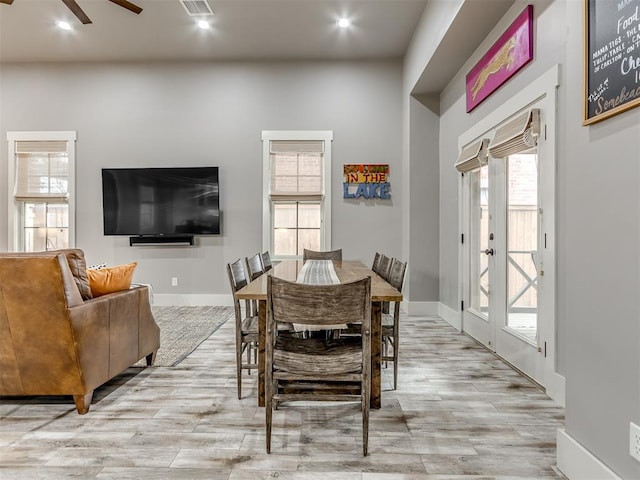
{"x":161,"y":201}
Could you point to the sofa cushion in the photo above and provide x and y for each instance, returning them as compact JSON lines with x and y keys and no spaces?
{"x":111,"y":279}
{"x":78,"y":266}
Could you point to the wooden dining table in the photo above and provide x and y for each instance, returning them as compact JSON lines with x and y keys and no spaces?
{"x":347,"y":271}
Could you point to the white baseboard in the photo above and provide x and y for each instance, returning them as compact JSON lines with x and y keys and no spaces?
{"x":450,"y":316}
{"x":192,"y":299}
{"x":421,"y":308}
{"x":577,"y":463}
{"x":554,"y":386}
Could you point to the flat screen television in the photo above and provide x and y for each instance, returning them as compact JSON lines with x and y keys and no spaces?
{"x":161,"y":201}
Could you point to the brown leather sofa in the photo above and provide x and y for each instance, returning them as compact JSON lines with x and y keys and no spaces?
{"x":55,"y":342}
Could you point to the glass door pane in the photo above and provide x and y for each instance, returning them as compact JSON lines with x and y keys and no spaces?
{"x":479,"y":261}
{"x":522,"y":235}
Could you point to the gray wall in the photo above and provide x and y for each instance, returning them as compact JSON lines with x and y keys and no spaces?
{"x":598,"y":233}
{"x":212,"y":114}
{"x":600,"y":268}
{"x":424,"y":208}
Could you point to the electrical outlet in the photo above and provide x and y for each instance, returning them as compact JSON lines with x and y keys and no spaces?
{"x":634,"y":441}
{"x":174,"y":281}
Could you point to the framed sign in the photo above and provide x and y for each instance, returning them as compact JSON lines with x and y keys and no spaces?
{"x":611,"y":58}
{"x":512,"y":51}
{"x":366,"y":181}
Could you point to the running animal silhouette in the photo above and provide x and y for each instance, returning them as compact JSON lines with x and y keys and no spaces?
{"x":503,"y":58}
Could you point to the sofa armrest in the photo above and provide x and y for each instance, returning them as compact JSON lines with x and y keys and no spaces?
{"x":148,"y":329}
{"x":90,"y":326}
{"x":132,"y":330}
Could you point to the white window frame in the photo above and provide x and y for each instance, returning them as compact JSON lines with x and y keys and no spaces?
{"x":267,"y":205}
{"x":15,"y":217}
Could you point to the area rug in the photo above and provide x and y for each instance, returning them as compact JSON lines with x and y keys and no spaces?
{"x":182,"y":329}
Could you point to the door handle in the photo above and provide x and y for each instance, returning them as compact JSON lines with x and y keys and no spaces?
{"x":489,"y":251}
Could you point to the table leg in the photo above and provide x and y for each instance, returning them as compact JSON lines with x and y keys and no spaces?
{"x":262,"y":340}
{"x":376,"y":347}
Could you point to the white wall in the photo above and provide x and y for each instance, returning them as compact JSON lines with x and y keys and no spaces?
{"x":211,"y":114}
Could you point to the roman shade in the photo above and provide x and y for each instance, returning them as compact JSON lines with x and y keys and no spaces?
{"x":516,"y":135}
{"x":473,"y":156}
{"x":42,"y":170}
{"x":296,"y":169}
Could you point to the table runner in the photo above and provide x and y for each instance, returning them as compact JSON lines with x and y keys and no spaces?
{"x":317,"y":272}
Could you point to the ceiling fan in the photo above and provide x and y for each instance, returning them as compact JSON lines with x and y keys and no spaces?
{"x":78,"y":12}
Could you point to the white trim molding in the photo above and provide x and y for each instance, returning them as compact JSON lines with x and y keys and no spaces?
{"x":451,"y":316}
{"x":578,"y":463}
{"x":13,"y":216}
{"x":301,"y":135}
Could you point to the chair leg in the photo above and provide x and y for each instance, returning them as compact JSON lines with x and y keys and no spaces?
{"x":269,"y":415}
{"x":396,"y":345}
{"x":249,"y":357}
{"x":239,"y":369}
{"x":385,"y":348}
{"x":365,"y":420}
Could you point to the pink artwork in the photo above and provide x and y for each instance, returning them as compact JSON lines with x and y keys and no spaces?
{"x":512,"y":51}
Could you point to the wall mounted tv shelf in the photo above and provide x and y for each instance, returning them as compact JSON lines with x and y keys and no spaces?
{"x":141,"y":240}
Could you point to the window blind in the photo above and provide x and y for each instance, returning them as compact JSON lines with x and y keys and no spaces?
{"x":517,"y":135}
{"x":473,"y":156}
{"x":296,"y":169}
{"x":42,"y":170}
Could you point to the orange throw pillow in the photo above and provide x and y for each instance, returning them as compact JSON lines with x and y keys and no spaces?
{"x":111,"y":279}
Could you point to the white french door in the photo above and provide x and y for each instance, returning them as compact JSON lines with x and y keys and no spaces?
{"x":507,"y":226}
{"x":500,"y":293}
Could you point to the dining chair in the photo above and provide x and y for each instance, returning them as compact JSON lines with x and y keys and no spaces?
{"x":266,"y":261}
{"x":383,"y":266}
{"x":391,"y":321}
{"x":315,"y":255}
{"x":246,"y":324}
{"x":375,"y":266}
{"x":254,"y":266}
{"x":299,"y":368}
{"x":255,"y":269}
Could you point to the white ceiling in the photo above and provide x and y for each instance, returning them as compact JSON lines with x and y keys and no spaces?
{"x":267,"y":30}
{"x":241,"y":30}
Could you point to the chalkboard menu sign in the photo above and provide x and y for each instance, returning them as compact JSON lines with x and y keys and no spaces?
{"x":612,"y":58}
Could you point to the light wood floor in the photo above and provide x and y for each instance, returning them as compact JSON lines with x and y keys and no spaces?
{"x":459,"y":413}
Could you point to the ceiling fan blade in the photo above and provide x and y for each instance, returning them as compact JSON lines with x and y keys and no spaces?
{"x":6,"y":2}
{"x":77,"y":11}
{"x":126,"y":4}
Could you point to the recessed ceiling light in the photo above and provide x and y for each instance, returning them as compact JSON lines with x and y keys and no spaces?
{"x":344,"y":22}
{"x":63,"y":25}
{"x":203,"y":24}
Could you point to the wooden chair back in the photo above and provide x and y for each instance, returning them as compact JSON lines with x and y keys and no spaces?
{"x":384,"y":266}
{"x":396,"y":274}
{"x":254,"y":265}
{"x":315,"y":255}
{"x":375,"y":266}
{"x":395,"y":278}
{"x":328,"y":305}
{"x":266,"y":261}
